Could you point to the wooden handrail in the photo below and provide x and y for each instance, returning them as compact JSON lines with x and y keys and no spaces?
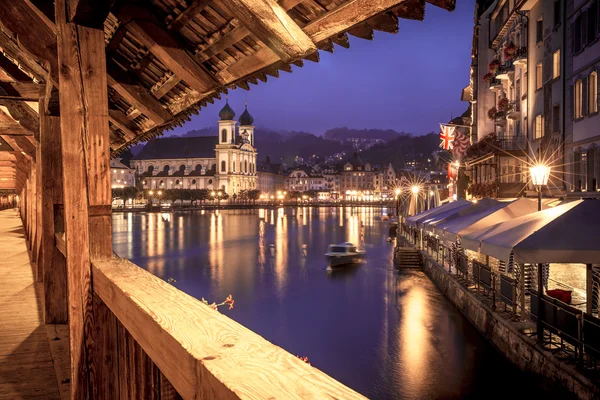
{"x":203,"y":353}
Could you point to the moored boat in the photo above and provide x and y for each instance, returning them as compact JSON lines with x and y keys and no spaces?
{"x":343,"y":254}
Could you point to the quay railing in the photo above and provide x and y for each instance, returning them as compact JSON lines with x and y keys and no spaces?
{"x":566,"y":328}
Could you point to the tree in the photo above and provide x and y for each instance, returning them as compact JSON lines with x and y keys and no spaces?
{"x":253,"y":194}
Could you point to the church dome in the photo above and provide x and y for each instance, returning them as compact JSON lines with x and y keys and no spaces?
{"x":246,"y":118}
{"x":226,"y":113}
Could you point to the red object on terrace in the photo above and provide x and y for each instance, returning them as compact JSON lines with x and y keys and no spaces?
{"x":562,"y":295}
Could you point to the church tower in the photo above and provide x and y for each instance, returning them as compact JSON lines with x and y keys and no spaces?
{"x":226,"y":125}
{"x":246,"y":120}
{"x":224,"y":148}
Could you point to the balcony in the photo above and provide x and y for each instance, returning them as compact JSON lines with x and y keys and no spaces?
{"x":495,"y":84}
{"x":514,"y":110}
{"x":505,"y":71}
{"x":513,"y":143}
{"x":521,"y":58}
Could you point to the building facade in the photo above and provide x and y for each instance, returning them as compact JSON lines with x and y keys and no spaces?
{"x":121,"y":175}
{"x":583,"y":122}
{"x":270,"y":178}
{"x":226,"y":162}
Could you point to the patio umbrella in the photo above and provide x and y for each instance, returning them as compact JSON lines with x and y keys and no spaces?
{"x":564,"y":234}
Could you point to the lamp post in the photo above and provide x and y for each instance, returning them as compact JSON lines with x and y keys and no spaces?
{"x":398,"y":191}
{"x":415,"y":191}
{"x":539,"y":176}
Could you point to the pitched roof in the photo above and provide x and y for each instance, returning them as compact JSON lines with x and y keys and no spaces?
{"x":176,"y":148}
{"x":116,"y":163}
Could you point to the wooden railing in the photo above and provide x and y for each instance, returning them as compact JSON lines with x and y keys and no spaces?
{"x":199,"y":351}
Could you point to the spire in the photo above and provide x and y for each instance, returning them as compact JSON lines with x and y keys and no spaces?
{"x":226,"y":112}
{"x":246,"y":119}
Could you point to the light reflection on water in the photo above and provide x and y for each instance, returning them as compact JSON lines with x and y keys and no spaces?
{"x":386,"y":334}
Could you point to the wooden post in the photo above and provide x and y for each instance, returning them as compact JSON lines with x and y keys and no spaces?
{"x":39,"y":213}
{"x":589,"y":289}
{"x":86,"y":187}
{"x":52,"y":261}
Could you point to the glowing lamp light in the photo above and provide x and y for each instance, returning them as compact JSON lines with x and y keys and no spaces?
{"x":212,"y":194}
{"x":457,"y":164}
{"x":151,"y":193}
{"x":540,"y":174}
{"x":415,"y":189}
{"x":398,"y":192}
{"x":159,"y":192}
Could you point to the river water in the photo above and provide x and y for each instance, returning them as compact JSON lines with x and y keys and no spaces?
{"x":386,"y":334}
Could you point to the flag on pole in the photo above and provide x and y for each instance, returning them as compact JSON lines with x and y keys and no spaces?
{"x":460,"y":144}
{"x":446,"y":136}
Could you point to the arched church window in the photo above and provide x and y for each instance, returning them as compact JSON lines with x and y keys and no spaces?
{"x":181,"y":168}
{"x":161,"y":182}
{"x":193,"y":181}
{"x":198,"y":168}
{"x":166,"y":169}
{"x":177,"y":182}
{"x":150,"y":169}
{"x":224,"y":135}
{"x":246,"y":166}
{"x":223,"y":166}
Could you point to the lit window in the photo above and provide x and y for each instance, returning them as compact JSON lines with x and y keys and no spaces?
{"x":556,"y":64}
{"x":539,"y":126}
{"x":593,"y":92}
{"x":578,"y":99}
{"x":538,"y":76}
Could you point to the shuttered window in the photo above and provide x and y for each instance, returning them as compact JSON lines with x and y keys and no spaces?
{"x":593,"y":92}
{"x":577,"y":100}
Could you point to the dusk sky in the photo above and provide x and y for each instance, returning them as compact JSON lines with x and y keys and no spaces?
{"x":409,"y":82}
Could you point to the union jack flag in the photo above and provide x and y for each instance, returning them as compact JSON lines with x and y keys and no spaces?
{"x":460,"y":144}
{"x":446,"y":136}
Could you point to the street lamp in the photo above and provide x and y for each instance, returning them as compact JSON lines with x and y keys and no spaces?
{"x":539,"y":176}
{"x":398,"y":191}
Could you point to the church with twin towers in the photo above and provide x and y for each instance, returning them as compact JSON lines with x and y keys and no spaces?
{"x":224,"y":162}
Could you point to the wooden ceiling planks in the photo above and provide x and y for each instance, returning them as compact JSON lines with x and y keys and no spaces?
{"x":168,"y":58}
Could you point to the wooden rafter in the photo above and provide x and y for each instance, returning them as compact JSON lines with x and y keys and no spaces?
{"x":190,"y":12}
{"x":269,"y":22}
{"x":12,"y":70}
{"x":147,"y":30}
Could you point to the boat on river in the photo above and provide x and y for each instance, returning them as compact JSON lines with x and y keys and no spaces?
{"x":338,"y":255}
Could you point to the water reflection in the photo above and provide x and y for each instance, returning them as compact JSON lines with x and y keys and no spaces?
{"x":387,"y":335}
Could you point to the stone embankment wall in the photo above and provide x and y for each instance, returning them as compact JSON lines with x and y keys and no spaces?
{"x":506,"y":337}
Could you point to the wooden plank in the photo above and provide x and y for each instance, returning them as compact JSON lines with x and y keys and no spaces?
{"x":197,"y":348}
{"x":13,"y":129}
{"x":225,"y":38}
{"x":163,"y":87}
{"x":106,"y":336}
{"x":26,"y":368}
{"x":269,"y":22}
{"x":53,"y":261}
{"x":23,"y":89}
{"x":363,"y":31}
{"x":58,"y":337}
{"x":118,"y":119}
{"x":289,"y":4}
{"x":147,"y":29}
{"x":136,"y":95}
{"x":190,"y":12}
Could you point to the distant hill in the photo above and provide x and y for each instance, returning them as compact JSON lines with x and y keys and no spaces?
{"x":403,"y":149}
{"x":347,"y":133}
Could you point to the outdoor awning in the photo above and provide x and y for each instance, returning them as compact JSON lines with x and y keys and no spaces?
{"x":416,"y":220}
{"x":449,"y":228}
{"x":432,"y":224}
{"x":515,"y":209}
{"x":564,"y":234}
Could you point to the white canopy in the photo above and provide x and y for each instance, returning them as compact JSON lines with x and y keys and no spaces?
{"x":431,"y":224}
{"x":415,"y":220}
{"x":449,"y":228}
{"x":564,"y":234}
{"x":517,"y":208}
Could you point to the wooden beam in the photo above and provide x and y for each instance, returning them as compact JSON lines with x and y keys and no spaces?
{"x":13,"y":129}
{"x":289,"y":4}
{"x":52,"y":261}
{"x":346,"y":16}
{"x":118,"y":119}
{"x":90,"y":13}
{"x":136,"y":95}
{"x":271,"y":24}
{"x":13,"y":70}
{"x":86,"y":189}
{"x":229,"y":35}
{"x":363,"y":31}
{"x":181,"y":334}
{"x":164,"y":85}
{"x":147,"y":29}
{"x":23,"y":89}
{"x":190,"y":12}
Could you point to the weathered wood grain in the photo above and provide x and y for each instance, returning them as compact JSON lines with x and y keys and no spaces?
{"x":201,"y":352}
{"x":271,"y":24}
{"x":52,"y":260}
{"x":58,"y":337}
{"x":190,"y":12}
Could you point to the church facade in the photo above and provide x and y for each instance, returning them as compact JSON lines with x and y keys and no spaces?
{"x":224,"y":162}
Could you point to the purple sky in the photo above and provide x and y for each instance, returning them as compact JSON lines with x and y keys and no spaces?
{"x":409,"y":82}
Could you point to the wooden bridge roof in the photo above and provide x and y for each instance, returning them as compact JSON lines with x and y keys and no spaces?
{"x":166,"y":59}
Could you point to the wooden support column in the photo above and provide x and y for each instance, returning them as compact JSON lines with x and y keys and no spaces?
{"x":87,"y":194}
{"x":52,"y":261}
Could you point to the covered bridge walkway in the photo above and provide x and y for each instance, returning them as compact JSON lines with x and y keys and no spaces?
{"x":81,"y":80}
